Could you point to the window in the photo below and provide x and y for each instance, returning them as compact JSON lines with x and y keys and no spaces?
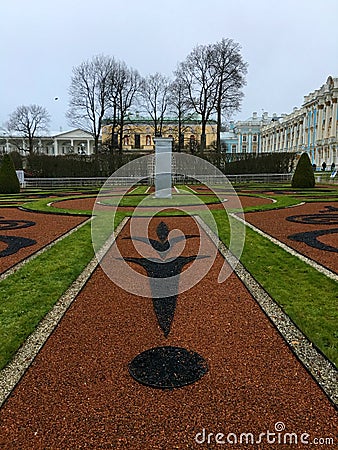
{"x":233,"y":148}
{"x":148,"y":139}
{"x":137,"y":141}
{"x":126,"y":140}
{"x":244,"y":148}
{"x":254,"y":138}
{"x":244,"y":137}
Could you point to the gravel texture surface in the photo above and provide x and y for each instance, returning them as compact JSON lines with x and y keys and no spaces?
{"x":40,"y":231}
{"x":275,"y":224}
{"x":78,"y":392}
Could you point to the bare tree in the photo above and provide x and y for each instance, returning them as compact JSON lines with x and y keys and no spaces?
{"x":230,"y":71}
{"x":180,"y":107}
{"x":197,"y":75}
{"x":90,"y":95}
{"x":125,"y":85}
{"x":213,"y":76}
{"x":28,"y":121}
{"x":154,"y":95}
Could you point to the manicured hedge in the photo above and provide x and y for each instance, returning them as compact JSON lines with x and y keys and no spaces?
{"x":303,"y":176}
{"x":9,"y":183}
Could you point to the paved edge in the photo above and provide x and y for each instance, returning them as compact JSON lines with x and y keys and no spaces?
{"x":319,"y":367}
{"x":13,"y":372}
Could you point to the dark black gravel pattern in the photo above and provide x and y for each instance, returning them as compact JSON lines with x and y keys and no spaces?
{"x":6,"y":224}
{"x":167,"y":367}
{"x":315,"y":219}
{"x":310,"y":238}
{"x":14,"y":244}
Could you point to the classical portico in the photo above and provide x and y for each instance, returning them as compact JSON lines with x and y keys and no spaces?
{"x":75,"y":141}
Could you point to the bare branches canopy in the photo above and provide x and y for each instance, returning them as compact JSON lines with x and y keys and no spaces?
{"x":90,"y":94}
{"x":213,"y":76}
{"x":208,"y":84}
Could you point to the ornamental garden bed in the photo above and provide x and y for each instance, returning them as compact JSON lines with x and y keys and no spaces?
{"x":22,"y":233}
{"x":310,"y":229}
{"x":79,"y":392}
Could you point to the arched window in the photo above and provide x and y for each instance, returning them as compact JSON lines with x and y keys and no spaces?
{"x":148,"y":139}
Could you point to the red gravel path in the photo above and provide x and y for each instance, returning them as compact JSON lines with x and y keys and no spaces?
{"x":47,"y":228}
{"x":275,"y":224}
{"x":78,"y":392}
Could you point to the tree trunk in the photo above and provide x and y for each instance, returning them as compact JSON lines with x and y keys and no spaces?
{"x":218,"y":136}
{"x":203,"y":136}
{"x":121,"y":135}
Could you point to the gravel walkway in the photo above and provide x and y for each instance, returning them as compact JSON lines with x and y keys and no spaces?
{"x":78,"y":392}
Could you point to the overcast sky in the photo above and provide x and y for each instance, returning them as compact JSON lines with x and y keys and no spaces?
{"x":291,"y":46}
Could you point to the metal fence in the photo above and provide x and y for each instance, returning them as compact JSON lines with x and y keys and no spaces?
{"x":46,"y":183}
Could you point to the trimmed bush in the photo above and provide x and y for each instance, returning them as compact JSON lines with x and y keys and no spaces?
{"x":303,"y":176}
{"x":9,"y":183}
{"x":281,"y":162}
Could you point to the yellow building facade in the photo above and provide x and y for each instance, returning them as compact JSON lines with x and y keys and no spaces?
{"x":139,"y":134}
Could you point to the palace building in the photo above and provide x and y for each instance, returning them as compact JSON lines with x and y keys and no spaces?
{"x":244,"y":137}
{"x":312,"y":128}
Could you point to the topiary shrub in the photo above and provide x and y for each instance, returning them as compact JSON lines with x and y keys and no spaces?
{"x":303,"y":176}
{"x":9,"y":183}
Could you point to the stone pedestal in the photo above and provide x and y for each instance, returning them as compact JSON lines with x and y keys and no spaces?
{"x":163,"y":176}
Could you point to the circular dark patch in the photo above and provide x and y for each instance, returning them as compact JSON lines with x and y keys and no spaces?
{"x":167,"y":367}
{"x":315,"y":219}
{"x":6,"y":224}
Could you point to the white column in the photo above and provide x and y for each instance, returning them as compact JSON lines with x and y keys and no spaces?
{"x":327,"y":119}
{"x":88,"y":147}
{"x":334,"y":118}
{"x":56,"y":150}
{"x":163,"y":176}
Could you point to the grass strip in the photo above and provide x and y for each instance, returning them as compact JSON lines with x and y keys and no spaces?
{"x":28,"y":294}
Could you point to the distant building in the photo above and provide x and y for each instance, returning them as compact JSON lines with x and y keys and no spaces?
{"x":244,"y":137}
{"x":312,"y":128}
{"x":75,"y":141}
{"x":138,"y":134}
